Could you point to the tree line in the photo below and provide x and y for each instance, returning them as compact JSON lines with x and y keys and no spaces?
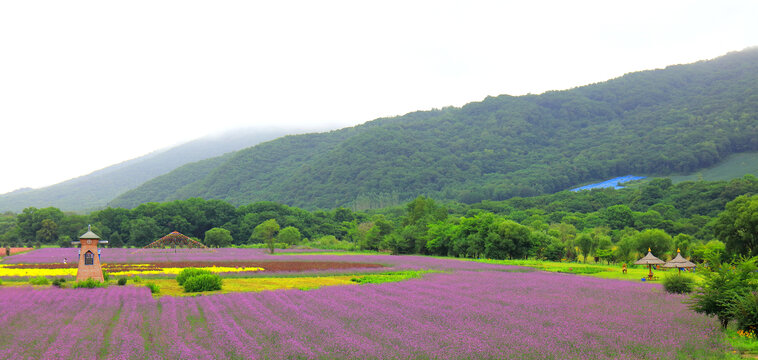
{"x":699,"y":218}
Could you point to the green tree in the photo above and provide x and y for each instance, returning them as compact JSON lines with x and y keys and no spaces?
{"x":381,"y":228}
{"x":143,"y":231}
{"x":441,"y":235}
{"x":648,"y":220}
{"x":586,"y":244}
{"x":265,"y":232}
{"x":713,"y":249}
{"x":30,"y":220}
{"x":115,"y":240}
{"x":722,"y":288}
{"x":418,"y":214}
{"x":618,"y":216}
{"x":566,"y":233}
{"x":64,"y":241}
{"x":218,"y":237}
{"x":625,"y":248}
{"x":683,"y":242}
{"x":737,"y":226}
{"x":289,"y":235}
{"x":507,"y":239}
{"x":48,"y":231}
{"x":656,"y":240}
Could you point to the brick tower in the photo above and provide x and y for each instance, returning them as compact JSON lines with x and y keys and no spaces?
{"x":89,"y":256}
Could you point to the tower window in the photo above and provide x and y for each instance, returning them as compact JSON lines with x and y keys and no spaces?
{"x":89,"y":258}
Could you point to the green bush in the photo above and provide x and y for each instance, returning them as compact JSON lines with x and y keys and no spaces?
{"x":122,"y":281}
{"x":137,"y":279}
{"x":89,"y":284}
{"x":722,"y":286}
{"x":745,"y":311}
{"x":1,"y":283}
{"x":678,"y":284}
{"x":203,"y":282}
{"x":154,"y":288}
{"x":40,"y":280}
{"x":106,"y":277}
{"x":188,"y":273}
{"x":60,"y":282}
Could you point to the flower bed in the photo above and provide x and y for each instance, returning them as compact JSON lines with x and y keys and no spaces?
{"x":15,"y":250}
{"x":32,"y":270}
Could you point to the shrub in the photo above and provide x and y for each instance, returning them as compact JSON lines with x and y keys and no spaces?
{"x":137,"y":279}
{"x":154,"y":288}
{"x":89,"y":284}
{"x":722,"y":286}
{"x":188,"y":273}
{"x":1,"y":283}
{"x":745,"y":312}
{"x":39,"y":280}
{"x":106,"y":277}
{"x":122,"y":281}
{"x":60,"y":282}
{"x":204,"y":282}
{"x":678,"y":284}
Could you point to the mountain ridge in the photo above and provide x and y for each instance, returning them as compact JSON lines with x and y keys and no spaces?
{"x":94,"y":190}
{"x":676,"y":119}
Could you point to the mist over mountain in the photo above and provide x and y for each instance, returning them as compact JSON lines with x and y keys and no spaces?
{"x":96,"y":189}
{"x":657,"y":122}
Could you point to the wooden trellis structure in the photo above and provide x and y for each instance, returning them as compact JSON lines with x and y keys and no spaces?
{"x":175,"y":240}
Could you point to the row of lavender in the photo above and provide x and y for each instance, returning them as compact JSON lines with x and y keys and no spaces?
{"x":484,"y":314}
{"x":56,"y":255}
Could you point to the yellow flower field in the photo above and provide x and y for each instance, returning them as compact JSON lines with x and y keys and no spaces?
{"x":133,"y":269}
{"x":171,"y":288}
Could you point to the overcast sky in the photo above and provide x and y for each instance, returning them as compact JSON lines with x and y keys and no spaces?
{"x":86,"y":84}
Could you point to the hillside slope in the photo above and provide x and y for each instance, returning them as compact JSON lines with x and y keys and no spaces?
{"x":95,"y":190}
{"x":678,"y":119}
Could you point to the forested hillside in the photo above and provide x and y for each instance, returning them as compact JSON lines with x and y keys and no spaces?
{"x":95,"y":190}
{"x":699,"y":218}
{"x":678,"y":119}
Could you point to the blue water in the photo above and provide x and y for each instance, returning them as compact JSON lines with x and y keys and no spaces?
{"x":614,"y":183}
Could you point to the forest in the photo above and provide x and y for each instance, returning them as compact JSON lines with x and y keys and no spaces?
{"x":659,"y":122}
{"x":700,"y":218}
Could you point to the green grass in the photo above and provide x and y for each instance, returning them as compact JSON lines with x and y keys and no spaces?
{"x":742,"y":344}
{"x":732,"y":167}
{"x":388,"y":277}
{"x":613,"y":271}
{"x":170,"y":287}
{"x":364,"y":252}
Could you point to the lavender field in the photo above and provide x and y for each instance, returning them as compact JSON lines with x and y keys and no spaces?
{"x":117,"y":255}
{"x":459,"y":314}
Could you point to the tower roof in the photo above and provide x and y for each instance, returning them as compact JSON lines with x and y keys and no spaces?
{"x":89,"y":234}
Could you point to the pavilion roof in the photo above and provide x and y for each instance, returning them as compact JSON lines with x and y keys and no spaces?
{"x":679,"y":262}
{"x":649,"y":259}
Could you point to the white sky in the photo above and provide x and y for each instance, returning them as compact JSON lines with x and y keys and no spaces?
{"x":86,"y":84}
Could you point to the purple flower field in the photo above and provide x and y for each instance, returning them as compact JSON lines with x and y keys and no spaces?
{"x":56,"y":255}
{"x":463,"y":314}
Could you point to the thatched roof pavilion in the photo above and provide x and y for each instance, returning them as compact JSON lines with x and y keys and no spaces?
{"x":174,"y":240}
{"x":649,"y":260}
{"x":679,"y":262}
